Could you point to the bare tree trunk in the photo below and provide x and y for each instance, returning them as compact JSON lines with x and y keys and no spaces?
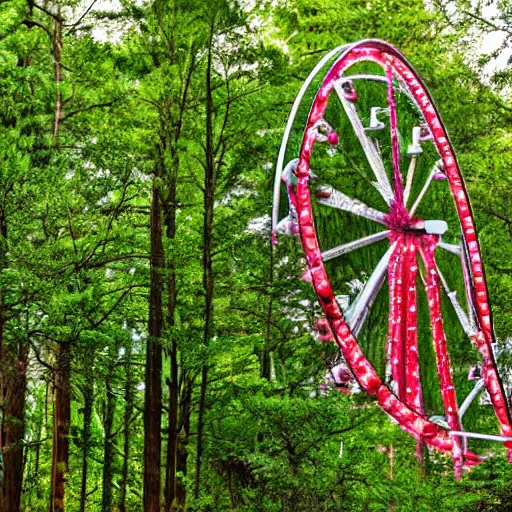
{"x":172,"y":431}
{"x":108,"y":447}
{"x":61,"y":421}
{"x":200,"y":426}
{"x":208,"y":279}
{"x":14,"y":383}
{"x":182,"y":445}
{"x":172,"y":293}
{"x":88,"y":392}
{"x":128,"y":398}
{"x":172,"y":106}
{"x":34,"y":477}
{"x":62,"y":401}
{"x":265,"y":359}
{"x":57,"y":62}
{"x":174,"y":498}
{"x":153,"y":383}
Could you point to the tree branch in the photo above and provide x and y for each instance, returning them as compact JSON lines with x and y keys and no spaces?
{"x":74,"y":26}
{"x":53,"y":15}
{"x":88,"y":109}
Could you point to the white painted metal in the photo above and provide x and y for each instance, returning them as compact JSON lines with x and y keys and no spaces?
{"x":476,"y":435}
{"x":436,"y":227}
{"x":454,"y":249}
{"x":329,"y":196}
{"x":356,"y":244}
{"x":356,"y":313}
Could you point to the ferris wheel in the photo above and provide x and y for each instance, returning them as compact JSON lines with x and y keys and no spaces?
{"x":375,"y":192}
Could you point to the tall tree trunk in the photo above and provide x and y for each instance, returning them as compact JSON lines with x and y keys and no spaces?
{"x":108,"y":447}
{"x":34,"y":477}
{"x":62,"y":402}
{"x":172,"y":423}
{"x":153,"y":382}
{"x":88,"y":392}
{"x":57,"y":62}
{"x":266,"y":359}
{"x":182,"y":442}
{"x":14,"y":384}
{"x":61,"y":421}
{"x":208,"y":279}
{"x":171,"y":114}
{"x":172,"y":431}
{"x":128,"y":411}
{"x":200,"y":426}
{"x":174,"y":498}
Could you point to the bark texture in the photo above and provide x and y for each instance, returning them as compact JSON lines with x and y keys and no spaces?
{"x":153,"y":382}
{"x":61,"y":421}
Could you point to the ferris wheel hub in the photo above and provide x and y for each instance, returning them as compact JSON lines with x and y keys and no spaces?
{"x":436,"y":227}
{"x":430,"y":227}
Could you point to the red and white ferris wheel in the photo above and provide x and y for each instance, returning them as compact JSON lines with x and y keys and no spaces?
{"x":374,"y":168}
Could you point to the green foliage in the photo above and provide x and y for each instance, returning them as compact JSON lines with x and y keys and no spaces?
{"x":75,"y":266}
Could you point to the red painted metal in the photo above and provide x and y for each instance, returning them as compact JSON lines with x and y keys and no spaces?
{"x":395,"y":320}
{"x":444,"y":372}
{"x":403,"y":333}
{"x":399,"y":193}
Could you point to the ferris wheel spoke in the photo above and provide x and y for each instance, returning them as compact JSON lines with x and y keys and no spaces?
{"x":355,"y":315}
{"x":356,"y":244}
{"x":435,"y":175}
{"x":395,"y":149}
{"x":422,"y":193}
{"x":471,"y":397}
{"x":459,"y":310}
{"x":329,"y":196}
{"x":409,"y":178}
{"x":465,"y":406}
{"x":453,"y":248}
{"x":440,"y":345}
{"x":371,"y":152}
{"x":468,"y":286}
